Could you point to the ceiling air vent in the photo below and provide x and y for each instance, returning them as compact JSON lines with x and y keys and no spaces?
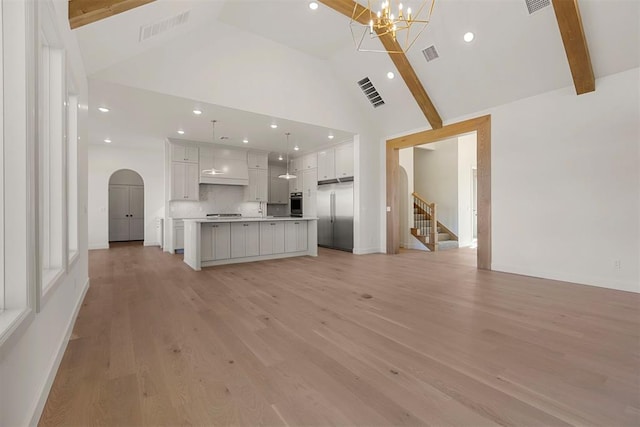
{"x":370,"y":92}
{"x":152,"y":30}
{"x":430,"y":53}
{"x":535,"y":5}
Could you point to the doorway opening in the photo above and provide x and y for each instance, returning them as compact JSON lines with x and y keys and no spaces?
{"x":436,"y":207}
{"x":126,"y":207}
{"x":482,"y":192}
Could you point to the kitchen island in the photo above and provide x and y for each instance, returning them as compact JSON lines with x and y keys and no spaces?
{"x":210,"y":242}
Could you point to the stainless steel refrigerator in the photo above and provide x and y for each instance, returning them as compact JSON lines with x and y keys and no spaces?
{"x":335,"y":214}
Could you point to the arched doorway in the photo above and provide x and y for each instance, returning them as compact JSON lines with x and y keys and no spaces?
{"x":126,"y":206}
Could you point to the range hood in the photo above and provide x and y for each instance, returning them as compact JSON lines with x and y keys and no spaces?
{"x":223,"y":167}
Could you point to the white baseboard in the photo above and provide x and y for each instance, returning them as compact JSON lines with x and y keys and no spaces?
{"x":46,"y":387}
{"x":366,"y":251}
{"x":98,"y":246}
{"x":619,"y":285}
{"x":151,"y":243}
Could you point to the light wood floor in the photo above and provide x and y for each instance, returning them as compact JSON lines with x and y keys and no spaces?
{"x":411,"y":339}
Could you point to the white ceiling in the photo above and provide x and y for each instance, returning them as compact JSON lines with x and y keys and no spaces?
{"x":138,"y":117}
{"x":514,"y":54}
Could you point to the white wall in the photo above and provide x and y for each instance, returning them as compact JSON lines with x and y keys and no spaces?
{"x":30,"y":357}
{"x":104,"y":160}
{"x":467,"y":160}
{"x":406,"y":239}
{"x":436,"y":179}
{"x":367,"y":157}
{"x":565,"y":184}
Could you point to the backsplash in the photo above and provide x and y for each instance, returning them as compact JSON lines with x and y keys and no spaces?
{"x":215,"y":199}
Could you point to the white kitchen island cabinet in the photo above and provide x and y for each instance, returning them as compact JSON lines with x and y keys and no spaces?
{"x":271,"y":237}
{"x":245,"y":239}
{"x":210,"y":242}
{"x":295,"y":236}
{"x":216,"y":242}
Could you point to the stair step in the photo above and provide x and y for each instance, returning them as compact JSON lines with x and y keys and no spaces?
{"x":447,"y":244}
{"x":442,"y":237}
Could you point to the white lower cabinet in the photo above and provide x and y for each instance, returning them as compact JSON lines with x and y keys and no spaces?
{"x":216,"y":242}
{"x":271,"y":238}
{"x":245,"y":239}
{"x":295,"y":236}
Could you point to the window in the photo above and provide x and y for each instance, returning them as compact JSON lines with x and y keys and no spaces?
{"x":17,"y":162}
{"x":51,"y":144}
{"x":1,"y":170}
{"x":72,"y":176}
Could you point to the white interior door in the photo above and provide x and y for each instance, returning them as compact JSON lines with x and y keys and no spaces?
{"x":118,"y":213}
{"x":126,"y":213}
{"x":136,"y":213}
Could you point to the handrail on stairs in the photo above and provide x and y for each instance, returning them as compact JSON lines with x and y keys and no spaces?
{"x":430,"y":220}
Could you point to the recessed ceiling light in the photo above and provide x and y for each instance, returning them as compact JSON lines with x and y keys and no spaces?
{"x":246,"y":141}
{"x":181,"y":132}
{"x":313,"y":5}
{"x":468,"y":37}
{"x":274,"y":126}
{"x":197,"y":112}
{"x":107,"y":140}
{"x":390,"y":75}
{"x":296,"y":148}
{"x":103,"y":109}
{"x":330,"y":136}
{"x":280,"y":157}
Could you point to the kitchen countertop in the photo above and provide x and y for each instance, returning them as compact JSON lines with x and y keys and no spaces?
{"x":252,"y":219}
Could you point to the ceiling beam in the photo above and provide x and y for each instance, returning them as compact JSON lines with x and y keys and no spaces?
{"x":575,"y":44}
{"x":346,"y":7}
{"x":83,"y":12}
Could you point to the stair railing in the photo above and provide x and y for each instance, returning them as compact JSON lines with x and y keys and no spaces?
{"x":427,"y":218}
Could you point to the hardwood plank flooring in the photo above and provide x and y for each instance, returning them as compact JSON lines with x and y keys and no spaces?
{"x":410,"y":339}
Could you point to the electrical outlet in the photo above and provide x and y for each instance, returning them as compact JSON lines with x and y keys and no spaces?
{"x":617,"y":264}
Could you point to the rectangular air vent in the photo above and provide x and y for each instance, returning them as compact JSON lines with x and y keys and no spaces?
{"x":371,"y":92}
{"x":535,"y":5}
{"x":430,"y":53}
{"x":152,"y":30}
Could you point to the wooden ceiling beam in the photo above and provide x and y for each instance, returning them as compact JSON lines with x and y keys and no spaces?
{"x":83,"y":12}
{"x":400,"y":60}
{"x":575,"y":45}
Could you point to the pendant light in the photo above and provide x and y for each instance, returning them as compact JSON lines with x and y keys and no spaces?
{"x":213,"y":171}
{"x":287,"y":175}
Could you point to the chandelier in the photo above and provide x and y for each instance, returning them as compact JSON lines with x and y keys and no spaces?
{"x":402,"y":21}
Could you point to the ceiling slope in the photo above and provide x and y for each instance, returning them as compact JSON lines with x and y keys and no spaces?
{"x":83,"y":12}
{"x":575,"y":45}
{"x":346,"y":7}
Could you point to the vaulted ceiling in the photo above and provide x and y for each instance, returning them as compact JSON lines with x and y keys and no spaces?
{"x":514,"y":54}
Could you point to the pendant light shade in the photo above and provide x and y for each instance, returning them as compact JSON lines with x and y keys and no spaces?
{"x":287,"y":175}
{"x":213,"y":171}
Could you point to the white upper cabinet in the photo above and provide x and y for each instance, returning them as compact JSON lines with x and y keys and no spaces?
{"x":184,"y":153}
{"x":184,"y":181}
{"x":258,"y":188}
{"x":295,"y":165}
{"x":310,"y":161}
{"x":344,"y":160}
{"x":326,"y":164}
{"x":258,"y":160}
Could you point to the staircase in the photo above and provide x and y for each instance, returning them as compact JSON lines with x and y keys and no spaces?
{"x":424,"y":217}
